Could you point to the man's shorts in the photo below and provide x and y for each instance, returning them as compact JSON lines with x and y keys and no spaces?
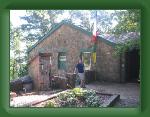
{"x":81,"y":76}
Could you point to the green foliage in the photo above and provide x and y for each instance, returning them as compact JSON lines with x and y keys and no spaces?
{"x":13,"y":69}
{"x":38,"y":23}
{"x":77,"y":96}
{"x":18,"y":67}
{"x":129,"y":45}
{"x":76,"y":92}
{"x":23,"y":70}
{"x":128,"y":21}
{"x":104,"y":20}
{"x":64,"y":96}
{"x":71,"y":102}
{"x":50,"y":104}
{"x":79,"y":92}
{"x":90,"y":92}
{"x":93,"y":101}
{"x":67,"y":99}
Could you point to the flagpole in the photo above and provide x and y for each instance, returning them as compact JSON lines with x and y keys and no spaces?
{"x":95,"y":42}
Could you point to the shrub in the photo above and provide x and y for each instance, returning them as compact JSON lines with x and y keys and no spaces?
{"x":92,"y":101}
{"x":79,"y":92}
{"x":67,"y":99}
{"x":89,"y":93}
{"x":64,"y":96}
{"x":77,"y":97}
{"x":50,"y":104}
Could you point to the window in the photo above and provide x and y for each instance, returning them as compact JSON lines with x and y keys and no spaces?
{"x":86,"y":56}
{"x":62,"y":60}
{"x":50,"y":60}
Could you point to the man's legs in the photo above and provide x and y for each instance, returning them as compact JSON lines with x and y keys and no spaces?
{"x":82,"y":85}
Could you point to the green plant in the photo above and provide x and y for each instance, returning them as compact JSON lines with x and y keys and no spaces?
{"x":92,"y":101}
{"x":129,"y":45}
{"x":67,"y":99}
{"x":79,"y":92}
{"x":50,"y":104}
{"x":64,"y":96}
{"x":72,"y":102}
{"x":89,"y":93}
{"x":77,"y":96}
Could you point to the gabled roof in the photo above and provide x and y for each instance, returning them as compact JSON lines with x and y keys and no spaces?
{"x":57,"y":26}
{"x":109,"y":39}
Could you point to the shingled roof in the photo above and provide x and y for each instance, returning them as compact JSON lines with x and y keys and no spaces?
{"x":111,"y":40}
{"x":122,"y":38}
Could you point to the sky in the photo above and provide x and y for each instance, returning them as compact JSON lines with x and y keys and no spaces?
{"x":15,"y":17}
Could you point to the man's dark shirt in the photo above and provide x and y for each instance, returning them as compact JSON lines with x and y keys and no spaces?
{"x":80,"y":67}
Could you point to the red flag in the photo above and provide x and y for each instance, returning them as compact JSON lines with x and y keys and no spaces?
{"x":95,"y":33}
{"x":94,"y":37}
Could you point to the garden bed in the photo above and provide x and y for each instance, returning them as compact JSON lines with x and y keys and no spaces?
{"x":79,"y":98}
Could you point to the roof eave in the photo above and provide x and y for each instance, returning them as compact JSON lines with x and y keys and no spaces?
{"x":106,"y":41}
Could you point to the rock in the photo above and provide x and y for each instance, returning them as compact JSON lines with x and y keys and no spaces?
{"x":13,"y":94}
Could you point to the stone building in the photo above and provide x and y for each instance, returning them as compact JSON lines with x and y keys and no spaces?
{"x":121,"y":68}
{"x":59,"y":51}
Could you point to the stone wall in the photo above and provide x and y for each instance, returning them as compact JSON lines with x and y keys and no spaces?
{"x":33,"y":70}
{"x":108,"y":65}
{"x":65,"y":39}
{"x":39,"y":69}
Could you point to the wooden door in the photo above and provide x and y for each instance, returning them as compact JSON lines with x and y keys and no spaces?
{"x":44,"y":71}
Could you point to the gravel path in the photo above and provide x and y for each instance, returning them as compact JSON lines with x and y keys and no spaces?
{"x":133,"y":103}
{"x":25,"y":101}
{"x":29,"y":100}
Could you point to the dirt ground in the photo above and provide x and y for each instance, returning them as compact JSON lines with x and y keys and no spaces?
{"x":129,"y":92}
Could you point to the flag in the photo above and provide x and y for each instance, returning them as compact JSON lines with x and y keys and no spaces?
{"x":94,"y":57}
{"x":94,"y":33}
{"x":94,"y":38}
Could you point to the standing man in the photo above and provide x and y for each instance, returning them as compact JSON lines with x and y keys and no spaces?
{"x":80,"y":70}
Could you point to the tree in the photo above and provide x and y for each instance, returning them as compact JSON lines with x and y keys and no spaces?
{"x":23,"y":70}
{"x":128,"y":21}
{"x":16,"y":57}
{"x":104,"y":20}
{"x":38,"y":23}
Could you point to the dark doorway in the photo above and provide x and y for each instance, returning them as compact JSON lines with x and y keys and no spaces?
{"x":132,"y":64}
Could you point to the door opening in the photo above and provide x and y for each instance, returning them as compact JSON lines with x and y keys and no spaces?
{"x":132,"y":64}
{"x":44,"y":70}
